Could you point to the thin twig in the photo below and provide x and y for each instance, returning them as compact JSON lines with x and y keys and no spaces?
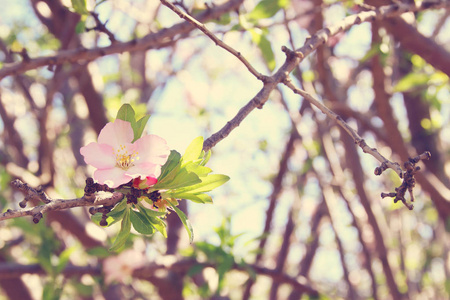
{"x":216,"y":40}
{"x":99,"y":26}
{"x":155,"y":40}
{"x":358,"y":140}
{"x":293,"y":58}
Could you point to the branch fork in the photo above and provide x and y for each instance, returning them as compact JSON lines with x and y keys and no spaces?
{"x":409,"y":182}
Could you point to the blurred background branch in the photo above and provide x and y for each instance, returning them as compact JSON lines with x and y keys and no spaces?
{"x":302,"y":214}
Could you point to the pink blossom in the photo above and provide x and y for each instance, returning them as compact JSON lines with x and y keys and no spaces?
{"x":118,"y":160}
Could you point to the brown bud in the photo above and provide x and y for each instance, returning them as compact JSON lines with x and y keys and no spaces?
{"x":37,"y":217}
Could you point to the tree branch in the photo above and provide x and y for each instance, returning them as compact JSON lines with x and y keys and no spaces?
{"x":13,"y":270}
{"x":216,"y":40}
{"x":299,"y":283}
{"x":156,"y":40}
{"x":293,"y":58}
{"x":385,"y":163}
{"x":89,"y":199}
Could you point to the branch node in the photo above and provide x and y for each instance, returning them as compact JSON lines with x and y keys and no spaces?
{"x":99,"y":26}
{"x":292,"y":54}
{"x":37,"y":217}
{"x":42,"y":195}
{"x":409,"y":181}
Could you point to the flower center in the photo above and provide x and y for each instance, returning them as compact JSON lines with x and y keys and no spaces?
{"x":124,"y":159}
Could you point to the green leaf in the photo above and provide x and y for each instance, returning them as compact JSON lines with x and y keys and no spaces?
{"x":260,"y":38}
{"x":205,"y":158}
{"x":224,"y":19}
{"x":198,"y":198}
{"x":169,"y":166}
{"x":150,"y":212}
{"x":114,"y":216}
{"x":80,"y":27}
{"x":80,"y":7}
{"x":159,"y":225}
{"x":139,"y":127}
{"x":64,"y":259}
{"x":374,"y":50}
{"x":195,"y":269}
{"x":141,"y":223}
{"x":182,"y":179}
{"x":152,"y":218}
{"x":196,"y":168}
{"x":44,"y":259}
{"x":267,"y":8}
{"x":208,"y":183}
{"x":226,"y":263}
{"x":185,"y":221}
{"x":99,"y":252}
{"x":50,"y":292}
{"x":123,"y":233}
{"x":193,"y":151}
{"x":126,"y":113}
{"x":210,"y":250}
{"x":410,"y":81}
{"x":267,"y":52}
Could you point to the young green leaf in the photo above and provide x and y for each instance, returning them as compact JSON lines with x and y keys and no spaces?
{"x":170,"y":165}
{"x":117,"y":213}
{"x":123,"y":233}
{"x":411,"y":81}
{"x":267,"y":9}
{"x":138,"y":127}
{"x":126,"y":113}
{"x":152,"y":218}
{"x":193,"y":151}
{"x":150,"y":212}
{"x":267,"y":52}
{"x":141,"y":223}
{"x":80,"y":27}
{"x":260,"y":38}
{"x":182,"y":179}
{"x":99,"y":252}
{"x":208,"y":183}
{"x":198,"y":198}
{"x":80,"y":7}
{"x":225,"y":264}
{"x":64,"y":259}
{"x":205,"y":158}
{"x":159,"y":225}
{"x":201,"y":171}
{"x":185,"y":221}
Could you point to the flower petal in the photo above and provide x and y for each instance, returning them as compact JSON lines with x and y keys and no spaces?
{"x":152,"y":149}
{"x":144,"y":170}
{"x":116,"y":133}
{"x":112,"y":177}
{"x":98,"y":155}
{"x":152,"y":180}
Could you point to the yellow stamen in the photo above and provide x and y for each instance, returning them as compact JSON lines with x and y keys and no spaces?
{"x":124,"y":160}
